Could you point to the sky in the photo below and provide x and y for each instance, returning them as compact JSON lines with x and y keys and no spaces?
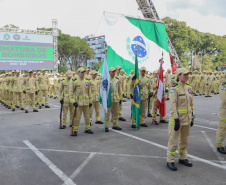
{"x":83,"y":17}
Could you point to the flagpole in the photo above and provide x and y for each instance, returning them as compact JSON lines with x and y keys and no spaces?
{"x":104,"y":118}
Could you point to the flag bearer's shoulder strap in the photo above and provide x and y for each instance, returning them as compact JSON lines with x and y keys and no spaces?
{"x":144,"y":83}
{"x":114,"y":84}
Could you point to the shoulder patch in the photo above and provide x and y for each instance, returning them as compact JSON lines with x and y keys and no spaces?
{"x":172,"y":91}
{"x":174,"y":85}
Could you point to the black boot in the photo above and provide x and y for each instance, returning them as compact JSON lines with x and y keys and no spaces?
{"x":185,"y":162}
{"x":149,"y":115}
{"x":63,"y":127}
{"x":171,"y":166}
{"x":99,"y":122}
{"x":163,"y":121}
{"x":47,"y":106}
{"x":43,"y":105}
{"x":9,"y":107}
{"x":144,"y":125}
{"x":40,"y":107}
{"x":22,"y":109}
{"x":17,"y":107}
{"x":26,"y":111}
{"x":117,"y":128}
{"x":124,"y":100}
{"x":221,"y":150}
{"x":106,"y":129}
{"x":122,"y":119}
{"x":89,"y":131}
{"x":13,"y":109}
{"x":133,"y":126}
{"x":74,"y":133}
{"x":35,"y":110}
{"x":155,"y":122}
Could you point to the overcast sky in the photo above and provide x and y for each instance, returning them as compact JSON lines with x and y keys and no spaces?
{"x":82,"y":17}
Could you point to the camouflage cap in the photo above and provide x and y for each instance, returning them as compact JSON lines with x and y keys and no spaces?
{"x":69,"y":74}
{"x":81,"y":69}
{"x":29,"y":71}
{"x":117,"y":67}
{"x":112,"y":69}
{"x":143,"y":68}
{"x":182,"y":71}
{"x":93,"y":72}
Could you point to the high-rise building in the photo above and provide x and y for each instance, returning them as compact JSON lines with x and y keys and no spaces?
{"x":98,"y":44}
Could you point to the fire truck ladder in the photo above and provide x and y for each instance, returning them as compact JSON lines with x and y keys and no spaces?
{"x":149,"y":12}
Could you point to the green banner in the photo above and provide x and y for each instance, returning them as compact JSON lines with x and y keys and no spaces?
{"x":26,"y":52}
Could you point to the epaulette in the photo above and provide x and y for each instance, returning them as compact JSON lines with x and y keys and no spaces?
{"x":87,"y":79}
{"x":174,"y":85}
{"x":74,"y":79}
{"x":117,"y":78}
{"x":223,"y":83}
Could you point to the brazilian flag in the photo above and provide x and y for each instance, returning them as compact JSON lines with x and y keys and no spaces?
{"x":136,"y":101}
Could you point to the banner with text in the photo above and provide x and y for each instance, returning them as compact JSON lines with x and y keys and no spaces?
{"x":26,"y":51}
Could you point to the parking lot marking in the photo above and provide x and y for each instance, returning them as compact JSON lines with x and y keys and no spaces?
{"x":79,"y":169}
{"x":52,"y":166}
{"x":221,"y":159}
{"x":164,"y":147}
{"x":205,"y":127}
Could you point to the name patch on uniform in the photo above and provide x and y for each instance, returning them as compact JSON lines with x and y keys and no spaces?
{"x":172,"y":91}
{"x":97,"y":83}
{"x":86,"y":83}
{"x":189,"y":91}
{"x":71,"y":83}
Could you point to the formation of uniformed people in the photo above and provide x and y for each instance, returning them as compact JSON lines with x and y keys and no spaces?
{"x":78,"y":94}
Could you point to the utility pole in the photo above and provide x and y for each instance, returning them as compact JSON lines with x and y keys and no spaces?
{"x":192,"y":61}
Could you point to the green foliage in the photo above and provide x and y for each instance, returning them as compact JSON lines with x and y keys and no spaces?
{"x":96,"y":65}
{"x":62,"y":68}
{"x":185,"y":40}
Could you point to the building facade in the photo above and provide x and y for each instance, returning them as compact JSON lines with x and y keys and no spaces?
{"x":99,"y":45}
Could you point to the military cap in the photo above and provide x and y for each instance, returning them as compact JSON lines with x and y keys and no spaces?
{"x":39,"y":73}
{"x":93,"y":72}
{"x":69,"y":74}
{"x":117,"y":67}
{"x":34,"y":73}
{"x":17,"y":71}
{"x":81,"y":69}
{"x":29,"y":71}
{"x":182,"y":71}
{"x":112,"y":69}
{"x":143,"y":68}
{"x":43,"y":70}
{"x":13,"y":71}
{"x":87,"y":69}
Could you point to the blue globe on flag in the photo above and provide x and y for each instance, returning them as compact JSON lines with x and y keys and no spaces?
{"x":136,"y":94}
{"x":139,"y":44}
{"x":105,"y":84}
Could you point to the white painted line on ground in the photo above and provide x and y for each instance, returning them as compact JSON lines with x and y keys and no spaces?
{"x":164,"y":147}
{"x":205,"y":127}
{"x":20,"y":111}
{"x":53,"y":167}
{"x":213,"y":148}
{"x":79,"y":169}
{"x":82,"y":152}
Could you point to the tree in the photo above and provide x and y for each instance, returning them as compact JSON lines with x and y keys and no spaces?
{"x":62,"y":68}
{"x":96,"y":65}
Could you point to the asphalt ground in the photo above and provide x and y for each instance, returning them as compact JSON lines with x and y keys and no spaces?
{"x":34,"y":151}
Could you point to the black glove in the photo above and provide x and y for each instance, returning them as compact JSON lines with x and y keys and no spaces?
{"x":131,"y":96}
{"x":120,"y":102}
{"x":223,"y":83}
{"x":90,"y":105}
{"x":151,"y":94}
{"x":134,"y":77}
{"x":62,"y":101}
{"x":166,"y":90}
{"x":75,"y":104}
{"x":177,"y":124}
{"x":193,"y":119}
{"x":36,"y":92}
{"x":24,"y":92}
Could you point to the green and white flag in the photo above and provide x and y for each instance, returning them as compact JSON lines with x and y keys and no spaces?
{"x":123,"y":34}
{"x":105,"y":89}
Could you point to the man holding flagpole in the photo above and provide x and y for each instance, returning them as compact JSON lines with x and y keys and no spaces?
{"x":116,"y":93}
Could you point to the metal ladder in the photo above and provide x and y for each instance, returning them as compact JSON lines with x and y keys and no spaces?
{"x":149,"y":12}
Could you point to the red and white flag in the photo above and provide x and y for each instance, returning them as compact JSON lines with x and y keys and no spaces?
{"x":161,"y":100}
